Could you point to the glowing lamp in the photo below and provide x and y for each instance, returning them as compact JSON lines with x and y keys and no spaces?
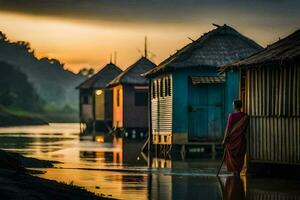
{"x":98,"y":92}
{"x":100,"y":139}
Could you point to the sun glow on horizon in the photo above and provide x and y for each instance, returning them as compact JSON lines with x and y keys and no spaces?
{"x":81,"y":43}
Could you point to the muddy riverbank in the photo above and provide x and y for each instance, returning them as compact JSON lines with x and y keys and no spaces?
{"x":17,"y":182}
{"x":117,"y":169}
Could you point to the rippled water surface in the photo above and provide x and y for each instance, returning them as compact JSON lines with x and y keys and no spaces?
{"x":116,"y":168}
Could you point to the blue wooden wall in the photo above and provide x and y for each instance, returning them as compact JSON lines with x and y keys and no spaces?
{"x":231,"y":90}
{"x":180,"y":102}
{"x":206,"y":111}
{"x":183,"y":97}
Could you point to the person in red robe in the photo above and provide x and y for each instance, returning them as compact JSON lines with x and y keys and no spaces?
{"x":235,"y":139}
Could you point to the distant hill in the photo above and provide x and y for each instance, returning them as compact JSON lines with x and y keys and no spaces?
{"x":16,"y":91}
{"x":54,"y":84}
{"x":17,"y":96}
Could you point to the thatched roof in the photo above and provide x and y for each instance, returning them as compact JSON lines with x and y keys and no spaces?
{"x":216,"y":48}
{"x":132,"y":75}
{"x":101,"y":78}
{"x":286,"y":49}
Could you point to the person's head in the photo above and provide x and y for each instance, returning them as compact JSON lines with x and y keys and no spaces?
{"x":237,"y":105}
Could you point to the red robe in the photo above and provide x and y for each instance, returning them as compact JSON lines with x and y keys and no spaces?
{"x":235,"y":142}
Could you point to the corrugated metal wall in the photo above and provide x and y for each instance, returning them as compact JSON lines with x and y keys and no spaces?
{"x":273,"y":104}
{"x":261,"y":195}
{"x":274,"y":139}
{"x":161,"y":105}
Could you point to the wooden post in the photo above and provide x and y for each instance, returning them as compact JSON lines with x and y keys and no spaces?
{"x":183,"y":152}
{"x":213,"y":150}
{"x":149,"y":117}
{"x":80,"y":132}
{"x":94,"y":113}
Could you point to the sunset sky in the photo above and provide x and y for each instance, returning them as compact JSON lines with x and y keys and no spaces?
{"x":83,"y":33}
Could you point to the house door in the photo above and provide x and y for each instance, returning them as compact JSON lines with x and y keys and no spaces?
{"x":205,"y":111}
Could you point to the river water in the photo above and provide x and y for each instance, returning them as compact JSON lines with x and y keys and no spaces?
{"x":116,"y":168}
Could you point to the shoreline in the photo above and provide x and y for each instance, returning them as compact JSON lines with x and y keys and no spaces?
{"x":17,"y":182}
{"x":17,"y":117}
{"x":8,"y":119}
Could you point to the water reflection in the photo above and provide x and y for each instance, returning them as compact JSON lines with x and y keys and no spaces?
{"x":272,"y":189}
{"x":184,"y":187}
{"x":234,"y":188}
{"x":112,"y":166}
{"x":117,"y":153}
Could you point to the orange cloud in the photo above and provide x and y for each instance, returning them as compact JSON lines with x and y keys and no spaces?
{"x":82,"y":43}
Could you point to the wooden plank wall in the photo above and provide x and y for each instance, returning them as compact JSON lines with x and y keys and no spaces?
{"x":108,"y":105}
{"x":273,"y":104}
{"x":118,"y":109}
{"x":134,"y":116}
{"x":99,"y":105}
{"x":86,"y":110}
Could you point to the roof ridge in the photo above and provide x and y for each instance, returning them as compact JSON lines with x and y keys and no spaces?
{"x":205,"y":36}
{"x":139,"y":62}
{"x":221,"y":28}
{"x":193,"y":41}
{"x":110,"y":64}
{"x":105,"y":67}
{"x":185,"y":53}
{"x":280,"y":50}
{"x":132,"y":66}
{"x":279,"y":42}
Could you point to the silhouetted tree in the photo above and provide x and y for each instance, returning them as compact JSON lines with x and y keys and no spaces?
{"x":87,"y":72}
{"x":3,"y":36}
{"x":15,"y":90}
{"x":52,"y":82}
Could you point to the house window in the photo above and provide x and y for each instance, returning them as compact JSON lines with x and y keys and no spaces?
{"x":118,"y":97}
{"x":157,"y":88}
{"x":153,"y":90}
{"x":166,"y":86}
{"x":169,"y":86}
{"x":86,"y":99}
{"x":161,"y":88}
{"x":141,"y":98}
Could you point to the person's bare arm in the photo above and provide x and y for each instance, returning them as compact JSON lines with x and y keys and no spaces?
{"x":225,"y":135}
{"x":226,"y":131}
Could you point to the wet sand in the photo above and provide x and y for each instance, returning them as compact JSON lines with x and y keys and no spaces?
{"x":16,"y":182}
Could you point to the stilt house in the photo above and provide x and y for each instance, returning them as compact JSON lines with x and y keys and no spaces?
{"x":188,"y":99}
{"x":96,"y":100}
{"x":130,"y":99}
{"x":270,"y":90}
